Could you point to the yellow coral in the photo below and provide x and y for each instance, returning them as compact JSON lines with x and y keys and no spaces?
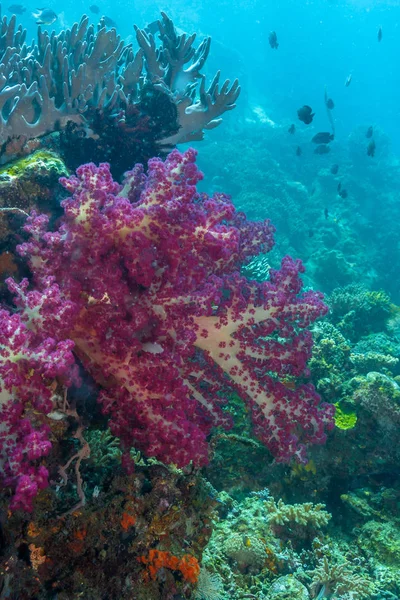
{"x":344,"y":419}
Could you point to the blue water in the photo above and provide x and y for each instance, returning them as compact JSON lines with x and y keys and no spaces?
{"x":320,"y":43}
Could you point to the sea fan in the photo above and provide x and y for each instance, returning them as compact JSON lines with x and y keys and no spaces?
{"x":209,"y":587}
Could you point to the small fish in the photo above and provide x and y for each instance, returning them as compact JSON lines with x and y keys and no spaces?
{"x":310,"y":233}
{"x":370,"y":132}
{"x":326,"y":213}
{"x":305,"y":114}
{"x":348,"y":80}
{"x":291,"y":385}
{"x":273,"y":40}
{"x":321,"y":594}
{"x":292,"y":129}
{"x":322,"y":149}
{"x":299,"y":151}
{"x":94,"y":9}
{"x":343,"y":193}
{"x":246,"y":541}
{"x":380,"y":34}
{"x":108,"y":22}
{"x":339,"y":187}
{"x":324,"y":137}
{"x":334,"y":169}
{"x":17,"y":9}
{"x":371,"y":148}
{"x":45,"y":16}
{"x":330,"y":104}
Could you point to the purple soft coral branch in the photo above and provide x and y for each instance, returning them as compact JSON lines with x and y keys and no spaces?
{"x":28,"y":368}
{"x":144,"y":278}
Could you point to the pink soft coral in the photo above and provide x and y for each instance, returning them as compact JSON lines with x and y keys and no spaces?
{"x":28,"y":366}
{"x":145,"y":280}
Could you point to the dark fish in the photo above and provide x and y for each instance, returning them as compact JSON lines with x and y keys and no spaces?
{"x":299,"y":151}
{"x":273,"y":40}
{"x":45,"y":16}
{"x":17,"y":9}
{"x":108,"y":22}
{"x":343,"y":193}
{"x":322,"y":149}
{"x":292,"y":129}
{"x":326,"y":213}
{"x":330,"y":104}
{"x":310,"y":233}
{"x":305,"y":114}
{"x":348,"y":80}
{"x":334,"y":169}
{"x":380,"y":34}
{"x":324,"y":137}
{"x":370,"y":132}
{"x":94,"y":9}
{"x":339,"y":187}
{"x":371,"y":148}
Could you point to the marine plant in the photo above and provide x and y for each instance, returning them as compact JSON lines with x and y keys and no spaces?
{"x":142,"y":280}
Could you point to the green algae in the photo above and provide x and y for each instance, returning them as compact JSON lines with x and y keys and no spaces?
{"x":42,"y":160}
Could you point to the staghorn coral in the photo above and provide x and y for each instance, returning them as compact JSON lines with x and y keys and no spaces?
{"x":307,"y":514}
{"x":104,"y":96}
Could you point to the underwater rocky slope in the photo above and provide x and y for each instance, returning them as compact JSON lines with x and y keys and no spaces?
{"x":175,"y":421}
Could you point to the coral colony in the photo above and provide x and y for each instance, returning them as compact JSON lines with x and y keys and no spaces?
{"x":105,"y":99}
{"x":141,"y":282}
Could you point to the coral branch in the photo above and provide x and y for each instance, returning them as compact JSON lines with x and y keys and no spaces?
{"x":27,"y":370}
{"x":91,"y":82}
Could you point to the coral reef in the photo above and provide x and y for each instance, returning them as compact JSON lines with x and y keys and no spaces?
{"x":305,"y":515}
{"x":339,"y":239}
{"x":135,"y":275}
{"x":209,"y":586}
{"x":95,"y":551}
{"x":30,"y":182}
{"x":109,"y":102}
{"x":338,"y":580}
{"x":357,"y":311}
{"x":143,"y":278}
{"x":258,"y":560}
